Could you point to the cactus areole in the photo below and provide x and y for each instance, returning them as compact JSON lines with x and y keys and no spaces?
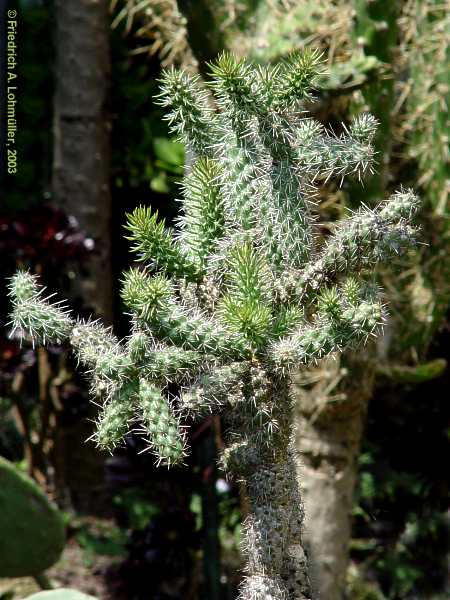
{"x":240,"y":293}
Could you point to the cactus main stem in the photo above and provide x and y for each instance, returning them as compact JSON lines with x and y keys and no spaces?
{"x":276,"y":567}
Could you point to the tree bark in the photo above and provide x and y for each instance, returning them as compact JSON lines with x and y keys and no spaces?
{"x":81,"y":137}
{"x":331,"y":408}
{"x":81,"y":187}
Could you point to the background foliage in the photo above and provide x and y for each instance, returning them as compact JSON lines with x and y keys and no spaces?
{"x":401,"y":528}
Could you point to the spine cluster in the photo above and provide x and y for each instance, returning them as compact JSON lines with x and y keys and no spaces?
{"x":240,"y":293}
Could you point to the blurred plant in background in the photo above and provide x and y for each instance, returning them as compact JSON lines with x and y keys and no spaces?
{"x":39,"y":395}
{"x":267,"y":31}
{"x":160,"y":24}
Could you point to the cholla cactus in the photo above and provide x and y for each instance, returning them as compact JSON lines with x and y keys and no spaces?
{"x":239,"y":294}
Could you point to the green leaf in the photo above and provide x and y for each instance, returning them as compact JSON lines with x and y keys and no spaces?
{"x":159,"y":183}
{"x":32,"y":529}
{"x":169,"y":151}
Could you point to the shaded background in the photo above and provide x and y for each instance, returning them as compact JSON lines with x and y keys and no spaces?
{"x":92,"y":146}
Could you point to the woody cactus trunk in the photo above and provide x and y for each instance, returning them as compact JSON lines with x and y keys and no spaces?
{"x":227,"y":305}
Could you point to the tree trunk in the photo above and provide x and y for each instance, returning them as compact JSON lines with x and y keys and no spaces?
{"x":331,"y":408}
{"x":81,"y":187}
{"x":81,"y":137}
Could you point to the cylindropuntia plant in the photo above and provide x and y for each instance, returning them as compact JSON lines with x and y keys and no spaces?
{"x":239,"y":294}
